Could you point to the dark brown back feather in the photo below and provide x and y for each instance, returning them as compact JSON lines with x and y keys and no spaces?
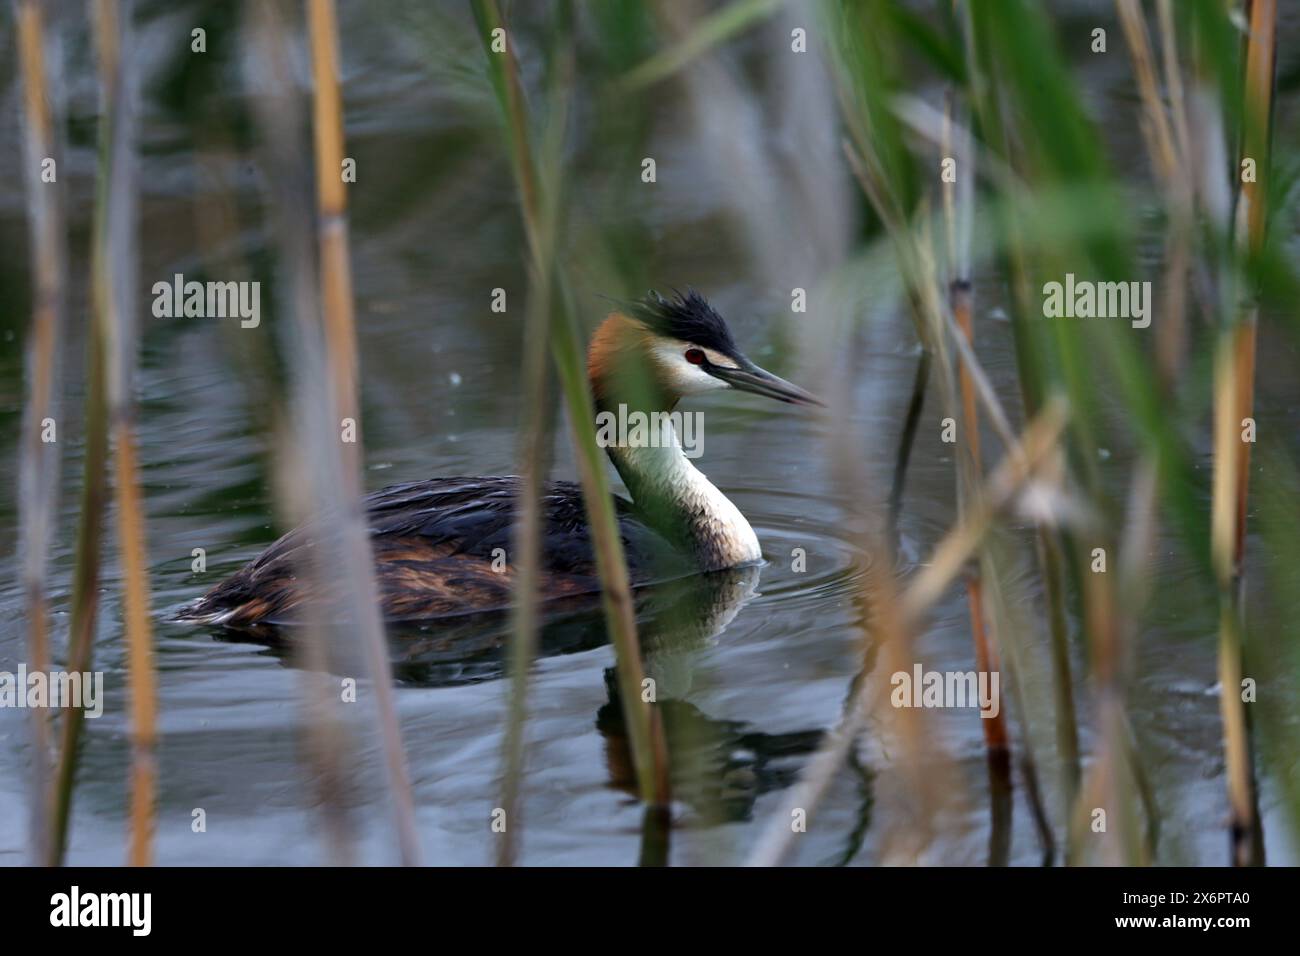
{"x":434,"y":544}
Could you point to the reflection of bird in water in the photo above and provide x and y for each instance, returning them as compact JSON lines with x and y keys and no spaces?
{"x":719,"y":767}
{"x":437,"y":543}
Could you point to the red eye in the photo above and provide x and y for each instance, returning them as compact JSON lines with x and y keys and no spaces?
{"x":695,"y":356}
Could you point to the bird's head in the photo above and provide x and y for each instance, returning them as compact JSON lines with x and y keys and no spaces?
{"x":671,"y":348}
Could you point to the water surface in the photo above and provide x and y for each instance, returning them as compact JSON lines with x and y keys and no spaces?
{"x":754,"y":670}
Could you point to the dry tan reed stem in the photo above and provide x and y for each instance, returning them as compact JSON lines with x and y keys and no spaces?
{"x":896,"y":617}
{"x":1156,"y":128}
{"x":1234,"y":390}
{"x":39,"y":471}
{"x":331,"y":197}
{"x":114,"y":283}
{"x":957,"y":209}
{"x":334,"y":274}
{"x":135,"y":604}
{"x":957,"y":547}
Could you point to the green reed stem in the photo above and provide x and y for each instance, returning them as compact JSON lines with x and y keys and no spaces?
{"x":645,"y":729}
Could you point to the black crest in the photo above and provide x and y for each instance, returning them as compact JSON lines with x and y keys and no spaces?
{"x":687,"y":317}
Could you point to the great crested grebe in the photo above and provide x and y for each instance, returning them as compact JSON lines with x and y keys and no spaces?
{"x":437,"y":543}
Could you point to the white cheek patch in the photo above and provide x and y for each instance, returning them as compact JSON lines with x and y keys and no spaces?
{"x":681,"y":375}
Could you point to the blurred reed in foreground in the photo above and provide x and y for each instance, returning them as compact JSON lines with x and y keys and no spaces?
{"x":1054,"y":206}
{"x":39,"y":475}
{"x":116,"y":267}
{"x":1234,"y":398}
{"x":538,"y":187}
{"x":110,"y":409}
{"x":318,"y":466}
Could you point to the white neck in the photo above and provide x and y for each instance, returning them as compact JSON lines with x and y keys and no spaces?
{"x":660,"y":476}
